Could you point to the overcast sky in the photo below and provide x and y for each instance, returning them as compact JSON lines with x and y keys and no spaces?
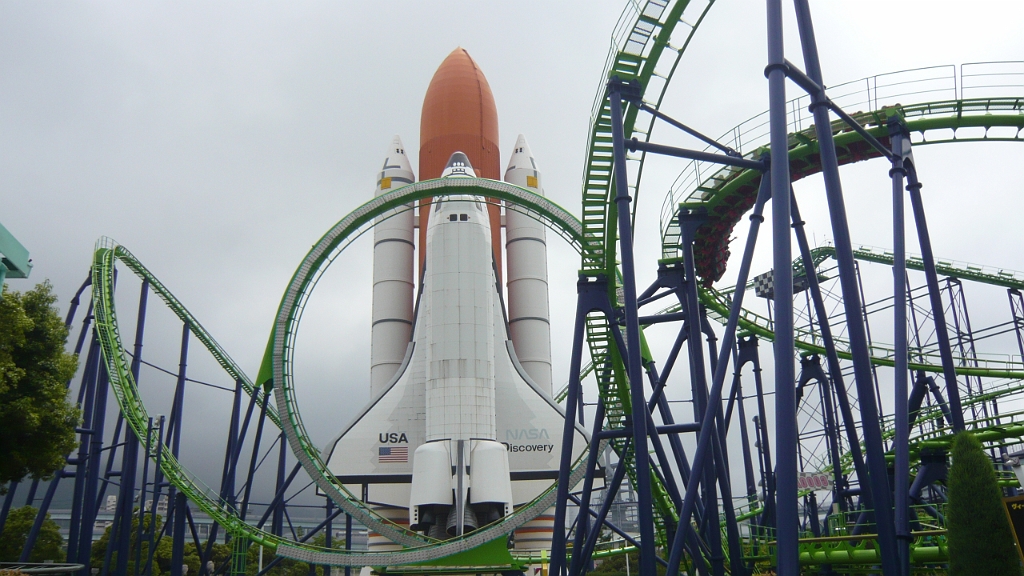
{"x":219,"y":141}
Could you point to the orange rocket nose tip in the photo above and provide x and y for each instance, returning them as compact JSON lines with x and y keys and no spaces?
{"x":459,"y":114}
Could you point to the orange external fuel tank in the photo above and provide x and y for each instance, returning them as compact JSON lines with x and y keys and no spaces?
{"x":459,"y":115}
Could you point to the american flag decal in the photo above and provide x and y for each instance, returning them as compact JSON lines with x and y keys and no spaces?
{"x":389,"y":454}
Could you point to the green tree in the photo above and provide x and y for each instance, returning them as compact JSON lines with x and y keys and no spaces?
{"x":163,"y":548}
{"x":37,"y":423}
{"x":616,"y":565}
{"x":220,"y":553}
{"x":49,"y":544}
{"x":979,"y":536}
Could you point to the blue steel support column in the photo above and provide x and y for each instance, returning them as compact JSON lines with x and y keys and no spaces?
{"x":237,"y":454}
{"x":834,"y":369}
{"x":12,"y":488}
{"x":579,"y":564}
{"x":178,"y":534}
{"x":721,"y":450}
{"x":328,"y":531}
{"x":40,"y":517}
{"x":348,"y":540}
{"x":85,"y":396}
{"x":111,"y":450}
{"x":38,"y":525}
{"x":641,"y":457}
{"x":227,"y":472}
{"x":158,"y":480}
{"x":142,"y":499}
{"x":277,"y":521}
{"x":92,"y":475}
{"x":748,"y":353}
{"x":1017,"y":312}
{"x":715,"y":396}
{"x":558,"y":547}
{"x":658,"y":399}
{"x":935,"y":297}
{"x":689,"y":222}
{"x":787,"y":519}
{"x":130,"y":458}
{"x":230,"y":462}
{"x":257,"y":440}
{"x":900,"y":142}
{"x":748,"y":463}
{"x":177,"y":413}
{"x":31,"y":498}
{"x":831,"y":432}
{"x":881,"y":494}
{"x":611,"y":489}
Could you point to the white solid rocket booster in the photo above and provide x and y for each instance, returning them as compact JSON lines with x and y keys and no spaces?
{"x":392,"y":275}
{"x":527,"y":276}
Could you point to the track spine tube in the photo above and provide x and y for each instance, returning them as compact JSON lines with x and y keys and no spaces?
{"x":715,"y":395}
{"x":877,"y":466}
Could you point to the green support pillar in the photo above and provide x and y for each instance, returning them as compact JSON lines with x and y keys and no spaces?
{"x":239,"y":553}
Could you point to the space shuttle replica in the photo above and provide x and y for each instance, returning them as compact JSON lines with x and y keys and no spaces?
{"x":461,"y":427}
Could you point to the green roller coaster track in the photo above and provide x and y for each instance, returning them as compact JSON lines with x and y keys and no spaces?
{"x":729,"y":192}
{"x":420,"y":549}
{"x":647,"y":45}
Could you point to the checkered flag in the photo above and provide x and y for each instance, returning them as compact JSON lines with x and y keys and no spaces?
{"x":764,"y":285}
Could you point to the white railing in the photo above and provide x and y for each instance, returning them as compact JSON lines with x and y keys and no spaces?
{"x":929,"y":84}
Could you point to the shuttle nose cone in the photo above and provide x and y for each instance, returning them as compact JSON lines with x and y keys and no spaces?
{"x":458,"y":167}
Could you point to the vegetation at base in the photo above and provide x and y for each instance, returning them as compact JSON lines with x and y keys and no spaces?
{"x":220,"y":552}
{"x":49,"y":544}
{"x":37,"y":423}
{"x":616,"y":565}
{"x":979,"y":535}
